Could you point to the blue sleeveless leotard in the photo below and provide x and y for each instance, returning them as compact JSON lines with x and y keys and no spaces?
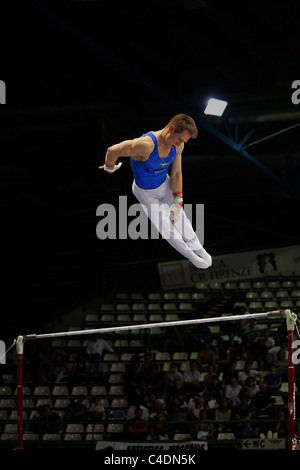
{"x":152,"y":173}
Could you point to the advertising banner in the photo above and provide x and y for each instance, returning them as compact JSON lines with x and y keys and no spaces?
{"x":232,"y":267}
{"x":152,"y":446}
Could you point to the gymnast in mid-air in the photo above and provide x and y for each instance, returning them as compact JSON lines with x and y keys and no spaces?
{"x":155,"y":159}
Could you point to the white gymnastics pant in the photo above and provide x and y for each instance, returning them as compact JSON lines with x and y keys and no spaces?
{"x":181,"y":235}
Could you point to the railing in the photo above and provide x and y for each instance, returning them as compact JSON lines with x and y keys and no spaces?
{"x":179,"y":427}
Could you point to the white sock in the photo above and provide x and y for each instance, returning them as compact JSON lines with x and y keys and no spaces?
{"x":203,"y":254}
{"x":197,"y":261}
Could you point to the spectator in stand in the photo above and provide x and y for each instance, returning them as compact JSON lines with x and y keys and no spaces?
{"x":31,"y":363}
{"x":52,"y":422}
{"x":96,"y":411}
{"x":213,"y":391}
{"x":223,"y":414}
{"x":176,"y":417}
{"x":249,"y":372}
{"x":250,"y":387}
{"x":137,"y":427}
{"x":242,"y":413}
{"x":35,"y":425}
{"x":170,"y":376}
{"x":146,"y":365}
{"x":195,"y":405}
{"x":135,"y":403}
{"x":208,"y":377}
{"x":158,"y":429}
{"x":197,"y":334}
{"x":173,"y":339}
{"x":222,"y":355}
{"x":76,"y":410}
{"x":134,"y":380}
{"x":233,"y":347}
{"x":272,"y":353}
{"x":80,"y":370}
{"x":247,"y":348}
{"x":263,"y":408}
{"x":60,"y":360}
{"x":281,"y":426}
{"x":232,"y":391}
{"x":158,"y":405}
{"x":206,"y":357}
{"x":178,"y":387}
{"x":273,"y":381}
{"x":46,"y":366}
{"x":282,"y":363}
{"x":46,"y":421}
{"x":97,"y":373}
{"x":240,"y":310}
{"x":228,"y":373}
{"x":252,"y":326}
{"x":97,"y":346}
{"x":192,"y":379}
{"x":264,"y":344}
{"x":155,"y":379}
{"x":149,"y":401}
{"x":262,"y":403}
{"x":204,"y":428}
{"x":267,"y":340}
{"x":181,"y":397}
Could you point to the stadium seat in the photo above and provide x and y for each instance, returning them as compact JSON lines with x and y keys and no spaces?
{"x":116,"y":378}
{"x":116,"y":390}
{"x":60,"y":390}
{"x":79,"y":390}
{"x":182,"y":437}
{"x":98,"y":390}
{"x":41,"y":390}
{"x":51,"y":437}
{"x":225,"y":435}
{"x":74,"y":428}
{"x":72,"y":437}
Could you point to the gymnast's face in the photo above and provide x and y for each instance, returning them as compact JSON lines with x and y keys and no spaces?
{"x":174,"y":139}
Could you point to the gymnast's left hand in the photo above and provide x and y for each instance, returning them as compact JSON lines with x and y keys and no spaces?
{"x":174,"y":213}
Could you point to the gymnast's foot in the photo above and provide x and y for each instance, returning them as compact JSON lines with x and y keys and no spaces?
{"x":198,"y":261}
{"x":203,"y":254}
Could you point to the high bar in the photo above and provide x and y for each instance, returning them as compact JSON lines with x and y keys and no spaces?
{"x":276,"y":313}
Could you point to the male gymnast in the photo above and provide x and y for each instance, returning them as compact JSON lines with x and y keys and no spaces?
{"x":155,"y":159}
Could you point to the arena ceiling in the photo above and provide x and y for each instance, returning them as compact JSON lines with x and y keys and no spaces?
{"x":82,"y":75}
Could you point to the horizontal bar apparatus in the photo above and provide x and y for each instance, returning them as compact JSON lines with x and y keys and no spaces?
{"x":276,"y":313}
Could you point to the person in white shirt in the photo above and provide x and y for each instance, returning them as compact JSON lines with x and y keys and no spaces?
{"x":192,"y":378}
{"x":232,"y":391}
{"x":97,"y":345}
{"x":249,"y":372}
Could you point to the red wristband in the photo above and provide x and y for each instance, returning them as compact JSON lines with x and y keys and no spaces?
{"x":178,"y":198}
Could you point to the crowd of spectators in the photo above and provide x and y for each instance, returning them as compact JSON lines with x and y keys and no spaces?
{"x":210,"y":396}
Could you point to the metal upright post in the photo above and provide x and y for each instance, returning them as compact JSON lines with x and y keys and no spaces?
{"x":20,"y":349}
{"x":290,"y":323}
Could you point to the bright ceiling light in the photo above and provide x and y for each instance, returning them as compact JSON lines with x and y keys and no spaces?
{"x":215,"y":107}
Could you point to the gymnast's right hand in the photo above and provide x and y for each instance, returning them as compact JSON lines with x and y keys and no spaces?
{"x":110,"y":168}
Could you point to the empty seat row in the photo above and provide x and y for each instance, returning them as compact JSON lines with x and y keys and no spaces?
{"x":143,"y":308}
{"x":280,"y":294}
{"x":255,"y":305}
{"x":248,"y":285}
{"x":111,"y":318}
{"x":154,"y":296}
